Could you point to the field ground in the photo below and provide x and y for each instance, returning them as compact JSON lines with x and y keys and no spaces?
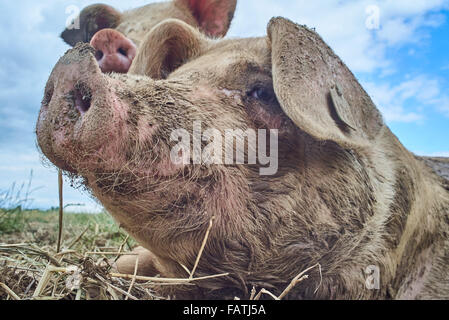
{"x":17,"y":226}
{"x":30,"y":268}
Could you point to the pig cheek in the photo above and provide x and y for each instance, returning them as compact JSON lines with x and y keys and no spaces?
{"x":167,"y":168}
{"x":146,"y":130}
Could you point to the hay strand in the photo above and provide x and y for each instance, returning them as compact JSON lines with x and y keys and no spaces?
{"x":61,"y":209}
{"x":206,"y":236}
{"x":11,"y":293}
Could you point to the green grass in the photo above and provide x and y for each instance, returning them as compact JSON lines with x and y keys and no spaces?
{"x":11,"y":220}
{"x":91,"y":242}
{"x":41,"y":228}
{"x":12,"y":202}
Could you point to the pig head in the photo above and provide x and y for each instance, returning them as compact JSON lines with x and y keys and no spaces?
{"x":345,"y":193}
{"x":117,"y":36}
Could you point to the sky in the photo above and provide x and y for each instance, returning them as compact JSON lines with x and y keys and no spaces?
{"x":398,"y":50}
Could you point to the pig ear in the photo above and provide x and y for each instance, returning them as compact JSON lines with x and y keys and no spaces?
{"x":316,"y":90}
{"x":91,"y":20}
{"x":213,"y":16}
{"x":168,"y":46}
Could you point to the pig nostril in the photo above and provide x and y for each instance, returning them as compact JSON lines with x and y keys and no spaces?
{"x":82,"y":101}
{"x":123,"y":52}
{"x":99,"y":55}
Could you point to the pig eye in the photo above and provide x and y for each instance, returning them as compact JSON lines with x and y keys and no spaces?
{"x":262,"y":94}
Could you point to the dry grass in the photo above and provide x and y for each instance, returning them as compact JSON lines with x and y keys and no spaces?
{"x":29,"y":272}
{"x":79,"y":271}
{"x":82,"y":269}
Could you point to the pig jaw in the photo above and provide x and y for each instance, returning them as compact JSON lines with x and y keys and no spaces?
{"x":81,"y":118}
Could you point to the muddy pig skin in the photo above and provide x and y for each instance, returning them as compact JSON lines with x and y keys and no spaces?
{"x":117,"y":36}
{"x":346,"y":195}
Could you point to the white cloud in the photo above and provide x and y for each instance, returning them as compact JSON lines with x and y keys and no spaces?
{"x":416,"y":94}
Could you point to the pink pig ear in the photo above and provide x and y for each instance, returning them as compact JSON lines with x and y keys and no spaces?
{"x":214,"y":16}
{"x":168,"y":46}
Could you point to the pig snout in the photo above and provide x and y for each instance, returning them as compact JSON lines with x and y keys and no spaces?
{"x":79,"y":112}
{"x":114,"y":52}
{"x":71,"y":84}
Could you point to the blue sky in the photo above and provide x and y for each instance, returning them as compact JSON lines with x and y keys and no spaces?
{"x":403,"y":63}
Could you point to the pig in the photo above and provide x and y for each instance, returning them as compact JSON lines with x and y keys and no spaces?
{"x":116,"y":36}
{"x":346,"y":194}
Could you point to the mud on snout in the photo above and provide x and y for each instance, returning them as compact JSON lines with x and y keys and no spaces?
{"x":81,"y":116}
